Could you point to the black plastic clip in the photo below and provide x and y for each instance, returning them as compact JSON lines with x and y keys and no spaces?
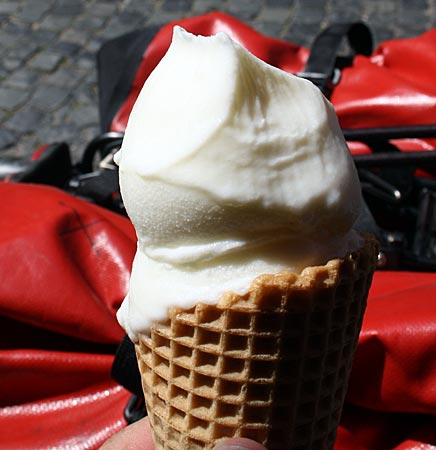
{"x":97,"y":175}
{"x":421,"y":252}
{"x":375,"y":185}
{"x":135,"y":409}
{"x":324,"y":64}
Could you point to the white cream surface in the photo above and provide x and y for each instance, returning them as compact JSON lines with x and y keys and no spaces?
{"x":229,"y":169}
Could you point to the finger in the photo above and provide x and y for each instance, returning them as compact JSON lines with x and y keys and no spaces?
{"x":134,"y":437}
{"x":239,"y":444}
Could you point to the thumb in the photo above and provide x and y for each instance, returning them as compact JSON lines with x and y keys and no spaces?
{"x":239,"y":444}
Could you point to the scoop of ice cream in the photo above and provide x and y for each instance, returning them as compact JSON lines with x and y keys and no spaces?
{"x":229,"y":168}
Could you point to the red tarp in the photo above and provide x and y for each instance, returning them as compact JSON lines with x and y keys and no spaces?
{"x":65,"y":266}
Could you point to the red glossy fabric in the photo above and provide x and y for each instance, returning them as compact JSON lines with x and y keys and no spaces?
{"x":59,"y":333}
{"x":65,"y":264}
{"x":64,"y":269}
{"x":391,"y":400}
{"x":394,"y":86}
{"x":286,"y":55}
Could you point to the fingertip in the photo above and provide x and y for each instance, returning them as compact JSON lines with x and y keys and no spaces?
{"x":133,"y":437}
{"x":239,"y":444}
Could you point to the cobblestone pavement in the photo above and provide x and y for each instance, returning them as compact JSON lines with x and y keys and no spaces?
{"x":48,"y":90}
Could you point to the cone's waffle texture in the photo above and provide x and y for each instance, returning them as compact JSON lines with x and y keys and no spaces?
{"x":271,"y":365}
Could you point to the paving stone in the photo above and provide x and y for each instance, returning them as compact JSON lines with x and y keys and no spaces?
{"x":7,"y":40}
{"x":340,"y":5}
{"x":3,"y":73}
{"x":33,"y":11}
{"x":245,"y":9}
{"x":23,"y":147}
{"x":83,"y":115}
{"x":16,"y":28}
{"x":131,"y":19}
{"x":103,"y":9}
{"x":93,"y":46}
{"x":24,"y":78}
{"x":25,"y":121}
{"x":65,"y":48}
{"x":302,"y":34}
{"x":411,"y":17}
{"x":11,"y":64}
{"x":67,"y":7}
{"x":57,"y":133}
{"x":87,"y":134}
{"x":312,"y":11}
{"x":91,"y":79}
{"x":422,"y":5}
{"x":59,"y":116}
{"x":381,"y":34}
{"x":7,"y":139}
{"x":162,"y":18}
{"x":42,"y":37}
{"x":3,"y":116}
{"x":275,"y":16}
{"x":205,"y":6}
{"x":55,"y":23}
{"x":86,"y":60}
{"x":177,"y":5}
{"x":9,"y":7}
{"x":346,"y":15}
{"x":272,"y":29}
{"x":90,"y":23}
{"x":64,"y":93}
{"x":86,"y":94}
{"x":45,"y":61}
{"x":116,"y":28}
{"x":380,"y":10}
{"x":410,"y":31}
{"x":11,"y":98}
{"x":67,"y":76}
{"x":23,"y":52}
{"x":47,"y":98}
{"x":279,"y":3}
{"x":143,"y":7}
{"x":376,"y":19}
{"x":75,"y":36}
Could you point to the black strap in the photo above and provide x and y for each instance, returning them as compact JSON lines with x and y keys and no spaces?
{"x":125,"y":371}
{"x":323,"y":65}
{"x":53,"y":167}
{"x":117,"y":63}
{"x":125,"y":367}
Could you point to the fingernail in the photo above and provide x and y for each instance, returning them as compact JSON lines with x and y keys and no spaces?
{"x":239,"y":444}
{"x":231,"y":447}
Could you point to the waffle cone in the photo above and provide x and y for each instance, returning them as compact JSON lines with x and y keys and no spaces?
{"x":271,"y":365}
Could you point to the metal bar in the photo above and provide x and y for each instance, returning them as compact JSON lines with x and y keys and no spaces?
{"x":386,"y":133}
{"x":398,"y":159}
{"x":379,"y":187}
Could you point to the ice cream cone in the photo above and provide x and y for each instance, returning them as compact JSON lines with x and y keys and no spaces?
{"x":271,"y":365}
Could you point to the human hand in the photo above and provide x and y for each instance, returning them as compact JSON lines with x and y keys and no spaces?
{"x":138,"y":437}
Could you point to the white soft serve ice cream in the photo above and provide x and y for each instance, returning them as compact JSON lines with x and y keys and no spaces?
{"x":230,"y":168}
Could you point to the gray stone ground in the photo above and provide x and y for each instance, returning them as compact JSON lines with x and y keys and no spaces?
{"x":48,"y":90}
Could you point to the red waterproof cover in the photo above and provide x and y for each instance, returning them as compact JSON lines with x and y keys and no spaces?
{"x":393,"y":87}
{"x":65,"y":266}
